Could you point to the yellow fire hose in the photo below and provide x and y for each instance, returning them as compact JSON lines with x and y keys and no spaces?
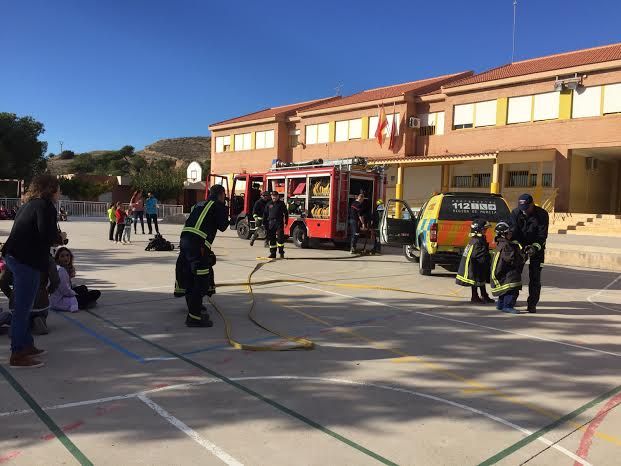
{"x":299,"y":342}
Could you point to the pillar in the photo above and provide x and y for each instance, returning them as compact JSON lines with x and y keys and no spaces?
{"x":502,"y":105}
{"x":399,"y":189}
{"x":538,"y":187}
{"x":446,"y":178}
{"x":565,"y":102}
{"x":495,"y":184}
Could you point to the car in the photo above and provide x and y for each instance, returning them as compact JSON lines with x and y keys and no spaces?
{"x":442,"y":227}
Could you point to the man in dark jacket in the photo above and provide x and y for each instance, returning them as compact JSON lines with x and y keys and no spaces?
{"x":506,"y":271}
{"x":257,"y":214}
{"x":276,"y":216}
{"x":357,"y":219}
{"x":475,"y":263}
{"x":194,"y":269}
{"x":530,"y":228}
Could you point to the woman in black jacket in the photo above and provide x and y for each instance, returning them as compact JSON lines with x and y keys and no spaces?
{"x":27,"y":252}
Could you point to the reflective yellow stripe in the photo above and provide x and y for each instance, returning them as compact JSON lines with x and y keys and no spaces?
{"x":465,"y":278}
{"x":208,"y":244}
{"x":196,"y":229}
{"x":537,"y":245}
{"x":192,"y":316}
{"x":178,"y":289}
{"x":202,"y":271}
{"x":494,"y":279}
{"x":281,"y":245}
{"x":199,"y":222}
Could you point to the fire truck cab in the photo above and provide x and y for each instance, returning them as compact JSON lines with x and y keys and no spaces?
{"x":317,"y":196}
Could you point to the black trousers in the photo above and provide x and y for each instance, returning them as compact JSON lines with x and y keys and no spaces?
{"x":85,"y":296}
{"x":119,"y":232}
{"x":258,"y":225}
{"x":276,"y":238}
{"x":111,"y":232}
{"x":152,"y":217}
{"x":354,"y":231}
{"x":139,"y":215}
{"x":534,"y":280}
{"x":194,"y":274}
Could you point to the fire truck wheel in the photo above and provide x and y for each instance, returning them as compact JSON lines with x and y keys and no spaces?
{"x":243,"y":229}
{"x":299,"y":236}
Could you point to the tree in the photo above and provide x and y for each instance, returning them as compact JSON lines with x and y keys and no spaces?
{"x":83,"y":190}
{"x":165,"y":182}
{"x":66,"y":155}
{"x":21,"y":152}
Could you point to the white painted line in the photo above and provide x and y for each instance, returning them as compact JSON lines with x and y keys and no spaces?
{"x":206,"y":444}
{"x":151,"y":288}
{"x":73,"y":405}
{"x":607,"y":287}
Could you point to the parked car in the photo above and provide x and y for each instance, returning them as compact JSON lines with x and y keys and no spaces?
{"x":442,"y":227}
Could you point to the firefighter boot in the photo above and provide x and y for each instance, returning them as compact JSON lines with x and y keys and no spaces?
{"x":204,"y":321}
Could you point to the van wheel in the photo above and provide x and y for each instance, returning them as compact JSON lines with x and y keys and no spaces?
{"x":424,"y":263}
{"x":409,"y":253}
{"x":243,"y":229}
{"x":300,"y":237}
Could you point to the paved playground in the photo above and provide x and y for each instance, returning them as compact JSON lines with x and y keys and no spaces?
{"x":404,"y":371}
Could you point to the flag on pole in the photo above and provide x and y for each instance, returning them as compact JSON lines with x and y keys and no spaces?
{"x":394,"y":128}
{"x":381,"y":125}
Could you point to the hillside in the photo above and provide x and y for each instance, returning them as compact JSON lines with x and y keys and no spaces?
{"x":181,"y":150}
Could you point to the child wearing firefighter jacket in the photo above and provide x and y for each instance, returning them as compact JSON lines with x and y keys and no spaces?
{"x":474,"y":269}
{"x":506,"y":272}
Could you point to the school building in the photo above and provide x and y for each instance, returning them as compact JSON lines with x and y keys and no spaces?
{"x":550,"y":126}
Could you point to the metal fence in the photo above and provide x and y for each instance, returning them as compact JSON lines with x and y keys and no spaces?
{"x":91,"y":208}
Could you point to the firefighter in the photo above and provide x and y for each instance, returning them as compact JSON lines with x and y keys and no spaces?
{"x":378,"y":214}
{"x":506,"y":270}
{"x":476,"y":262}
{"x":356,"y":220}
{"x":530,"y":228}
{"x":257,"y":214}
{"x":194,"y":271}
{"x":276,"y":217}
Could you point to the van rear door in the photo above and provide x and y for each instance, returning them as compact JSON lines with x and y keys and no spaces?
{"x":395,"y":229}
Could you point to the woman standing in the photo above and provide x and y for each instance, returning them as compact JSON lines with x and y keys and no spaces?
{"x":137,"y":205}
{"x":27,"y":253}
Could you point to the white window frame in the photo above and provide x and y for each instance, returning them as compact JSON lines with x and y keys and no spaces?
{"x":462,"y":110}
{"x":546,"y":106}
{"x":245,"y":141}
{"x":348,"y":130}
{"x":317,"y":134}
{"x":490,"y":106}
{"x":585,"y":108}
{"x":524,"y":105}
{"x":612,"y":98}
{"x":222,"y":142}
{"x":262,"y":139}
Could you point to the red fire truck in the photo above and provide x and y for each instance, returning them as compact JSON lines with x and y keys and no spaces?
{"x":317,"y":194}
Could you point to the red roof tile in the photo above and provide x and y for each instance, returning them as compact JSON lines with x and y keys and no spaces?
{"x":548,"y":63}
{"x":419,"y":87}
{"x":274,"y":111}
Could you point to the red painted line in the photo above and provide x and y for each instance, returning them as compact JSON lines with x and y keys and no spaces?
{"x":160,"y":385}
{"x":103,"y":410}
{"x":67,"y":428}
{"x":587,"y":438}
{"x":9,"y":456}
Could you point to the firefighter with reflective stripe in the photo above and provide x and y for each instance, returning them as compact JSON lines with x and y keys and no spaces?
{"x":474,"y":269}
{"x":506,"y":271}
{"x":257,"y":214}
{"x":276,"y":216}
{"x":530,"y":227}
{"x":194,"y":270}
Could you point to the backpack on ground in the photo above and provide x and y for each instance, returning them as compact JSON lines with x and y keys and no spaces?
{"x":159,"y":243}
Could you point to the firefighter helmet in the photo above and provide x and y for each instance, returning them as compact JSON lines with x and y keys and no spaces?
{"x":502,"y":228}
{"x":478,"y":226}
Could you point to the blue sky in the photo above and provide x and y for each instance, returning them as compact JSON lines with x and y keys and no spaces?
{"x":102,"y":74}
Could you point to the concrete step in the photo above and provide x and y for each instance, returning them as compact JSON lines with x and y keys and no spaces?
{"x":594,"y":258}
{"x":616,"y":232}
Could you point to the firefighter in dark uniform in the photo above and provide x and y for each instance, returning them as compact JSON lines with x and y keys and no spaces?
{"x":357,"y":218}
{"x":194,"y":271}
{"x":275,"y":217}
{"x":475,"y":263}
{"x":257,"y":214}
{"x":530,"y":229}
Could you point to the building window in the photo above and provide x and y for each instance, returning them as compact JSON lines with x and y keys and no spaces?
{"x":481,"y":180}
{"x":464,"y":181}
{"x":518,"y":179}
{"x":546,"y":106}
{"x":348,"y":130}
{"x":463,"y":116}
{"x":532,"y":179}
{"x":546,"y":180}
{"x":389,"y":118}
{"x":243,"y":142}
{"x":520,"y":109}
{"x":587,"y":102}
{"x":223,"y":144}
{"x":263,"y":139}
{"x":317,"y":134}
{"x":294,"y":136}
{"x":485,"y":113}
{"x":431,"y":124}
{"x":612,"y":98}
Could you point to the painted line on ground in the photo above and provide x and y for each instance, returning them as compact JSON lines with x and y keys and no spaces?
{"x":187,"y":430}
{"x":362,"y":384}
{"x":544,"y":430}
{"x":587,"y":437}
{"x":249,"y":391}
{"x":607,"y":287}
{"x":45,"y":418}
{"x":107,"y":341}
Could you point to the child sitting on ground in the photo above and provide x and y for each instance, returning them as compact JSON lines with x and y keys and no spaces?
{"x":127,"y":231}
{"x":506,"y":271}
{"x":475,"y":263}
{"x":66,"y":297}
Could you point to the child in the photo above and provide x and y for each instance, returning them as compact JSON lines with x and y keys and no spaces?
{"x":127,"y":231}
{"x":120,"y":222}
{"x":475,"y":263}
{"x":112,"y":220}
{"x":68,"y":298}
{"x":506,"y":272}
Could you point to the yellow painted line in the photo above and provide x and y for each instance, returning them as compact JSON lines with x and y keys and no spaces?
{"x":474,"y":386}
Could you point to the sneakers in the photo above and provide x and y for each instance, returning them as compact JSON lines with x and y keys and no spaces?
{"x":487,"y":300}
{"x":252,"y":238}
{"x":39,"y":327}
{"x":21,"y":360}
{"x":272,"y":256}
{"x":510,"y":310}
{"x":282,"y":255}
{"x":34,"y":351}
{"x":532,"y":309}
{"x":476,"y":299}
{"x":499,"y":305}
{"x":204,"y":322}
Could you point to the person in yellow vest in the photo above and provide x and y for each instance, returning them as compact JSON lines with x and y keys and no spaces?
{"x":194,"y":269}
